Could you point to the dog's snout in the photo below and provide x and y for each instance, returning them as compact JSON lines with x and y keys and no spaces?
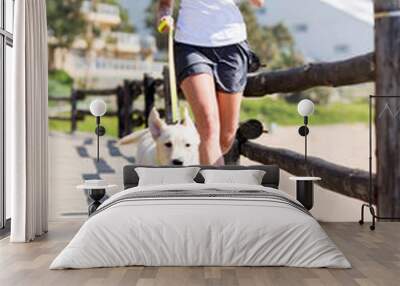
{"x":177,"y":162}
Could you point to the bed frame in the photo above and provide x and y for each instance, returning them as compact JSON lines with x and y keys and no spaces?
{"x":270,"y":179}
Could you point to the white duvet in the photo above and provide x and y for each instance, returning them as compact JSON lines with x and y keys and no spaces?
{"x":200,"y":231}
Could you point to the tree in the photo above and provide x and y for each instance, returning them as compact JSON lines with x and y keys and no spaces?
{"x":273,"y":44}
{"x":65,"y":22}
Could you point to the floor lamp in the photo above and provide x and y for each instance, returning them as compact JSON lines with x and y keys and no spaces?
{"x":371,"y":183}
{"x":305,"y":109}
{"x":98,"y":108}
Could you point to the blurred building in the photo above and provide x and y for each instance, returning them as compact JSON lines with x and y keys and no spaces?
{"x":325,"y":30}
{"x":104,"y":56}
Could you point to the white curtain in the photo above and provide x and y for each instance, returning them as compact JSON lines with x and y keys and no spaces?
{"x":26,"y":123}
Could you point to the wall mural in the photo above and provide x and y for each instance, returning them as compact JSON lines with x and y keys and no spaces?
{"x":114,"y":54}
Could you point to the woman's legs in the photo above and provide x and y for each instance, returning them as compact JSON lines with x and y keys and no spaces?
{"x":200,"y":92}
{"x":229,"y":115}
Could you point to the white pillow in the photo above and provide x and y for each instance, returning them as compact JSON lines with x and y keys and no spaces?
{"x":164,"y":176}
{"x":247,"y":177}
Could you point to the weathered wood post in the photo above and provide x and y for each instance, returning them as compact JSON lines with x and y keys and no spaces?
{"x":149,"y":86}
{"x":387,"y":43}
{"x":233,"y":156}
{"x":120,"y":111}
{"x":74,"y":110}
{"x":128,"y":108}
{"x":124,"y":102}
{"x":167,"y":96}
{"x":137,"y":116}
{"x":251,"y":129}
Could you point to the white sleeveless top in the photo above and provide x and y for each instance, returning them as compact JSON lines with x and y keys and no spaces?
{"x":210,"y":23}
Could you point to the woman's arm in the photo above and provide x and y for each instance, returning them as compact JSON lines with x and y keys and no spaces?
{"x":257,"y":3}
{"x":165,"y":8}
{"x":164,"y":15}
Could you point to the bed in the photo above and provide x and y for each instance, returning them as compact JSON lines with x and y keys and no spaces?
{"x":198,"y":224}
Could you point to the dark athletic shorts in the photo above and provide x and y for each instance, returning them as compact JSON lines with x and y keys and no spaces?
{"x":228,"y":64}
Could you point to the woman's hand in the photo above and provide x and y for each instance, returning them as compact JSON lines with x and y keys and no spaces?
{"x":165,"y":24}
{"x":165,"y":21}
{"x":257,"y":3}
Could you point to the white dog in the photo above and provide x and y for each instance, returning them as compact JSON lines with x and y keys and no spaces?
{"x":163,"y":144}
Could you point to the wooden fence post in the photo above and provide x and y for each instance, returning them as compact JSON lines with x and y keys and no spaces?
{"x":251,"y":129}
{"x":387,"y":43}
{"x":233,"y":156}
{"x":149,"y":86}
{"x":120,"y":112}
{"x":74,"y":110}
{"x":128,"y":108}
{"x":167,"y":96}
{"x":124,"y":103}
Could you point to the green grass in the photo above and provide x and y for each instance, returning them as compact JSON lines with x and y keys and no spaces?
{"x":59,"y":89}
{"x":266,"y":110}
{"x":60,"y":83}
{"x":283,"y":113}
{"x":87,"y":125}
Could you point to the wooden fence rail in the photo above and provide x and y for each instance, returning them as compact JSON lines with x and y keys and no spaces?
{"x":351,"y":71}
{"x":343,"y":180}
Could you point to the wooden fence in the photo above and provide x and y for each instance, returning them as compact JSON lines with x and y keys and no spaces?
{"x":126,"y":95}
{"x":340,"y":179}
{"x":347,"y":181}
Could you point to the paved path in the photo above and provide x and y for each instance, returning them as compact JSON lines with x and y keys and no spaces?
{"x":73,"y":160}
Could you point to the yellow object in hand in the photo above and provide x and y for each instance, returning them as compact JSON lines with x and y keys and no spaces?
{"x":162,"y":26}
{"x":165,"y":23}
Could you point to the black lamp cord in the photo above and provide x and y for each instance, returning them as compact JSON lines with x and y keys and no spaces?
{"x":305,"y":139}
{"x":98,"y":137}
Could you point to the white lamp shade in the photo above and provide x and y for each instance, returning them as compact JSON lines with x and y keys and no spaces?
{"x":305,"y":107}
{"x":98,"y":107}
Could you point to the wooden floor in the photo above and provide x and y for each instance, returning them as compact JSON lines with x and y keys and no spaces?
{"x":375,"y":257}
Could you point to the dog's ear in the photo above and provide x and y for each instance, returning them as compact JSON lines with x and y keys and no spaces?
{"x":156,"y":125}
{"x":188,"y":121}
